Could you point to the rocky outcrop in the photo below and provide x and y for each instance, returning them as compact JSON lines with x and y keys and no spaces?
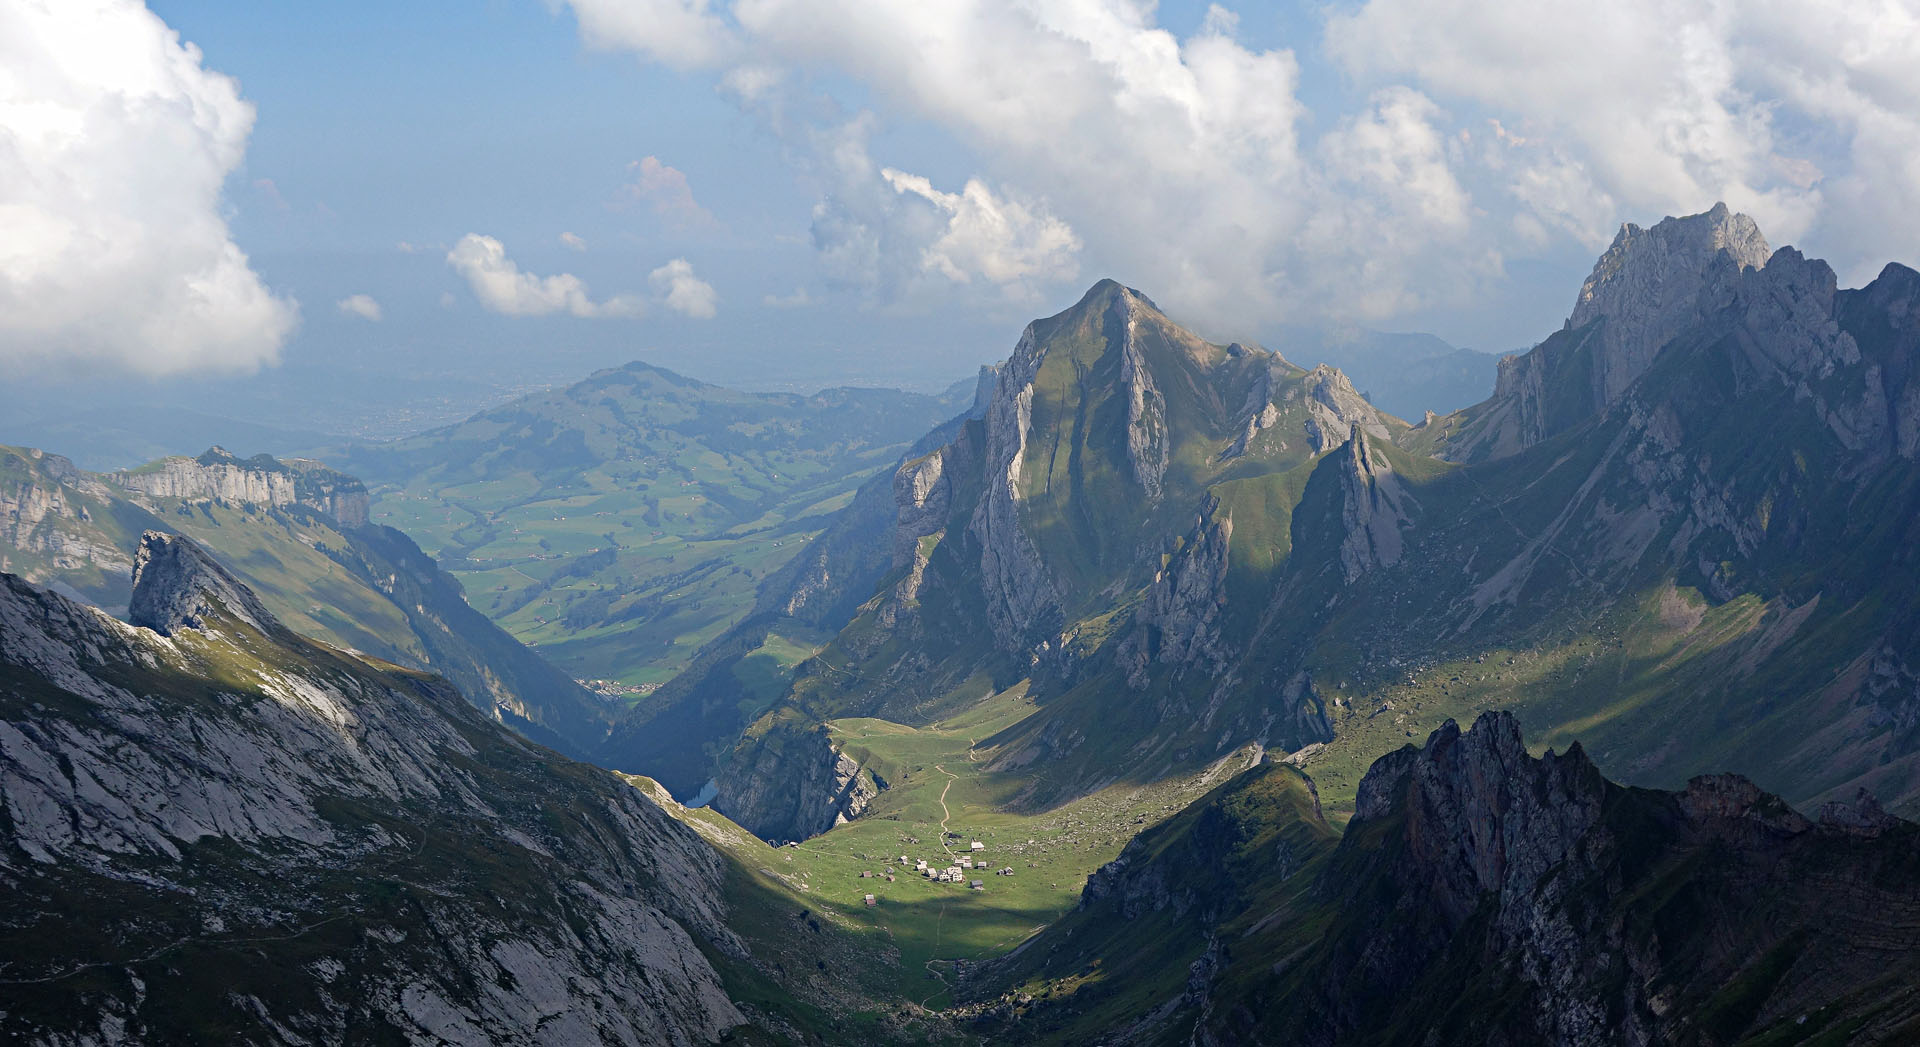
{"x":793,"y":784}
{"x":1375,"y":508}
{"x":1334,"y":407}
{"x":1179,"y":622}
{"x":1259,"y":413}
{"x":1483,"y":895}
{"x":1539,"y":862}
{"x":177,"y":585}
{"x":1647,"y":288}
{"x":261,"y":480}
{"x":923,"y":496}
{"x":1482,"y":815}
{"x":264,"y":837}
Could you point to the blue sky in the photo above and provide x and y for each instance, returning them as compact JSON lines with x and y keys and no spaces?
{"x":780,"y":194}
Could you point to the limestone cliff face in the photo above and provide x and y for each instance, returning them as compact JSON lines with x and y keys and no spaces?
{"x":1646,"y":288}
{"x":793,"y":784}
{"x":261,"y":480}
{"x":1334,"y":408}
{"x":923,"y":496}
{"x":311,"y":848}
{"x":48,"y":513}
{"x":1771,"y":333}
{"x":1649,"y":286}
{"x":1147,"y":439}
{"x":1016,"y":584}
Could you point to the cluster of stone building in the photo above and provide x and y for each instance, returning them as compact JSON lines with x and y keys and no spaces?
{"x":957,"y":868}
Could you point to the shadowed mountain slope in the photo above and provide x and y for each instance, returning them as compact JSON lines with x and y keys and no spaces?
{"x":1481,"y":895}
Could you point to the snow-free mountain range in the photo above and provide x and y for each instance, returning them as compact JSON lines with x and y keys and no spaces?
{"x":1164,"y":644}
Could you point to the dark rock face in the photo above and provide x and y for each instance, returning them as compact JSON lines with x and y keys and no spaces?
{"x":177,"y":585}
{"x":1605,"y":915}
{"x":1376,"y":507}
{"x":1487,"y":817}
{"x":793,"y":784}
{"x":1482,"y":895}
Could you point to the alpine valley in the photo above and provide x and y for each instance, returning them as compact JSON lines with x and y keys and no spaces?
{"x":1115,"y":697}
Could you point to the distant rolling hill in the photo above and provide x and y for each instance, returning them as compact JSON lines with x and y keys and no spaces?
{"x":621,"y":523}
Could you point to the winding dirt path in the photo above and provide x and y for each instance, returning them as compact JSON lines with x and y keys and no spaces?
{"x":945,"y":814}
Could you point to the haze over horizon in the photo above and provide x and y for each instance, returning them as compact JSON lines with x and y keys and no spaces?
{"x":412,"y":212}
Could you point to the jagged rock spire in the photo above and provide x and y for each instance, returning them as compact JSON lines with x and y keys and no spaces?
{"x":177,"y":585}
{"x":1375,"y":507}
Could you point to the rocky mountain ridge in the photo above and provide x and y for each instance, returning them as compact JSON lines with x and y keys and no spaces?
{"x":1648,"y":287}
{"x":1484,"y":895}
{"x":225,"y":830}
{"x":262,"y":480}
{"x":1084,"y":465}
{"x":353,"y":584}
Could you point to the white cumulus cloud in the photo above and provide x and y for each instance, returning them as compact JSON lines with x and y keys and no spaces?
{"x":360,"y":305}
{"x":684,"y":292}
{"x":999,"y":239}
{"x":501,"y":287}
{"x":667,"y":191}
{"x":1478,"y":131}
{"x":115,"y":141}
{"x":1103,"y":137}
{"x":1805,"y":115}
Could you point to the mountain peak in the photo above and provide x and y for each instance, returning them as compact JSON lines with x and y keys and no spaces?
{"x":1648,"y":279}
{"x":177,"y":585}
{"x":1649,"y":286}
{"x":1107,"y":289}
